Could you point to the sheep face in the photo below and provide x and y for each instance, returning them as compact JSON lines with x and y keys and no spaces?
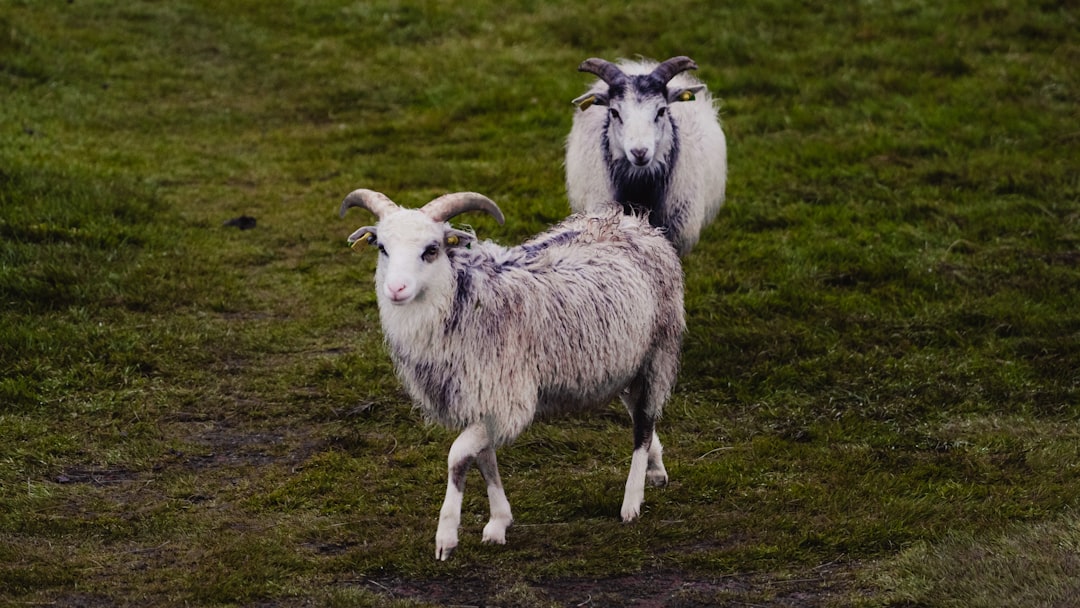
{"x":639,"y":127}
{"x":412,"y":243}
{"x":413,"y":261}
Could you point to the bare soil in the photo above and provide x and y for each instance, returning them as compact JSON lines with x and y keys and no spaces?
{"x":828,"y":585}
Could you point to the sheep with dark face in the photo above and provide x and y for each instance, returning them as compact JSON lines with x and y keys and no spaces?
{"x":485,"y":337}
{"x":648,"y":137}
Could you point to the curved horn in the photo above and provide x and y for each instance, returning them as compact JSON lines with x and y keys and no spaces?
{"x":449,"y":205}
{"x":607,"y":71}
{"x":669,"y":68}
{"x":375,"y":202}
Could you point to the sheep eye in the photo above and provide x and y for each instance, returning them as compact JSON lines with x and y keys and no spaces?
{"x":613,"y":113}
{"x":382,"y":249}
{"x":430,"y":253}
{"x":660,"y":113}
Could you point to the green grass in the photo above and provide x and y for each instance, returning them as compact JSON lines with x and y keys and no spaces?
{"x":1028,"y":565}
{"x":880,"y":387}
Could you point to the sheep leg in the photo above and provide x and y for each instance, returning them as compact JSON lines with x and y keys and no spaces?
{"x":639,"y":465}
{"x":501,"y":518}
{"x":655,"y":473}
{"x":463,"y":452}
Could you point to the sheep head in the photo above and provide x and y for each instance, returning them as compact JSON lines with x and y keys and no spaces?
{"x":412,"y":243}
{"x":639,"y":127}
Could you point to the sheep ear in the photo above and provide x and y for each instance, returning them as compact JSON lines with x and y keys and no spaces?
{"x":363,"y":235}
{"x":457,"y":238}
{"x":686,"y":94}
{"x":589,"y":99}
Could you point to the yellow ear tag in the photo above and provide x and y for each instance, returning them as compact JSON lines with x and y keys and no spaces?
{"x":365,"y":238}
{"x":452,"y":240}
{"x":686,"y":96}
{"x":585,"y":103}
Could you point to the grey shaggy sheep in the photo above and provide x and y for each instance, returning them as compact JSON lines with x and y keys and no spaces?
{"x":648,"y":137}
{"x":486,"y":337}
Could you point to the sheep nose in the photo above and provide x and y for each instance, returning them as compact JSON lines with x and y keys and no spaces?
{"x":640,"y":155}
{"x":396,"y":291}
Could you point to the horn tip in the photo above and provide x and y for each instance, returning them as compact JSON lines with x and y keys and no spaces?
{"x":684,"y":62}
{"x":584,"y":65}
{"x":373,"y":201}
{"x":350,"y":200}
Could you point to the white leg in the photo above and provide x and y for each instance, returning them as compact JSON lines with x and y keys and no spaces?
{"x":656,"y":473}
{"x":646,"y":461}
{"x":462,"y":454}
{"x":635,"y":484}
{"x":501,"y":518}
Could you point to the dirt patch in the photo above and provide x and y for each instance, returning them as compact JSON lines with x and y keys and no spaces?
{"x":822,"y":586}
{"x":95,"y":477}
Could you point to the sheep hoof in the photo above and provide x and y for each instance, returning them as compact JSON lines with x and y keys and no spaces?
{"x":444,"y":546}
{"x":494,"y":537}
{"x":629,"y":514}
{"x":495,"y":532}
{"x":657,"y":479}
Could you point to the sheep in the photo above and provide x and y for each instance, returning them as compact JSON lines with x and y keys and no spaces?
{"x":647,"y":135}
{"x":485,"y":337}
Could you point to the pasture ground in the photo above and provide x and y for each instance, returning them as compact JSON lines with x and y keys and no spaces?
{"x":880,"y":396}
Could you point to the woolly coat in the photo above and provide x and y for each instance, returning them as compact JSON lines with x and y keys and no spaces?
{"x":564,"y":321}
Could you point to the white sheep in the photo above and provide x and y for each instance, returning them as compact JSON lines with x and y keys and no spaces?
{"x":648,"y":137}
{"x":486,"y":337}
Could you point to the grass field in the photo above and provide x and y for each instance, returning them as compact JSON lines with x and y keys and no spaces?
{"x":880,"y":396}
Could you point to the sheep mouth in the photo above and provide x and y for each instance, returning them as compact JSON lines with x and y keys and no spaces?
{"x":640,"y":162}
{"x":643,"y":168}
{"x":400,"y":299}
